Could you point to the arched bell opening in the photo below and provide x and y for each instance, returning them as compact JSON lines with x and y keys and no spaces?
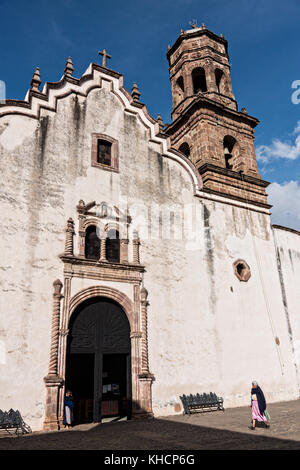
{"x":231,"y":150}
{"x":199,"y":80}
{"x":185,"y":149}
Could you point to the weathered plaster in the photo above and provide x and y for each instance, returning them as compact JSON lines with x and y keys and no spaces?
{"x":207,"y":330}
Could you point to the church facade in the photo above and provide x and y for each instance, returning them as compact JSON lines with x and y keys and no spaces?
{"x":139,"y":262}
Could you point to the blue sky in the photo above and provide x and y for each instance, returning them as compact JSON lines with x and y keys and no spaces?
{"x":263,"y":38}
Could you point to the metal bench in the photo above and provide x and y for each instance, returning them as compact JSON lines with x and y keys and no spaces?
{"x":11,"y":419}
{"x":205,"y":402}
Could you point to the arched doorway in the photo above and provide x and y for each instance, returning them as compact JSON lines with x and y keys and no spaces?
{"x":98,"y":362}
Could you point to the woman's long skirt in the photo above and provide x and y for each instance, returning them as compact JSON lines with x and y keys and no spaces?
{"x":68,"y":413}
{"x":256,"y":414}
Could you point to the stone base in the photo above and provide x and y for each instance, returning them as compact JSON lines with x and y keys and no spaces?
{"x":142,"y":414}
{"x":53,"y":384}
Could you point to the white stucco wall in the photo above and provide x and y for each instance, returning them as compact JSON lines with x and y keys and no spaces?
{"x":287,"y":244}
{"x":214,"y":332}
{"x":203,"y":335}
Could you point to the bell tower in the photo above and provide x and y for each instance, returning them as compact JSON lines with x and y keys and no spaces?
{"x":207,"y":126}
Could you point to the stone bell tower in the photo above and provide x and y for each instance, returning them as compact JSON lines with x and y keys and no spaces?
{"x":206,"y":123}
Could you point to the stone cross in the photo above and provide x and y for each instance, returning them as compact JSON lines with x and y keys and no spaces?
{"x":104,"y":57}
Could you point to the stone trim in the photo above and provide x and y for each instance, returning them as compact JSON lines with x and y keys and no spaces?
{"x":102,"y":270}
{"x":193,"y":34}
{"x":233,"y":174}
{"x":141,"y":386}
{"x":201,"y":101}
{"x":79,"y":267}
{"x":92,"y":79}
{"x":249,"y":202}
{"x":114,"y":166}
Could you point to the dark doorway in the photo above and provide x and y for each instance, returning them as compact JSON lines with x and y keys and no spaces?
{"x":114,"y":385}
{"x":98,"y":367}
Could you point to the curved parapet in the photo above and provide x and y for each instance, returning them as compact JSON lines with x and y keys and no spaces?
{"x":94,"y":77}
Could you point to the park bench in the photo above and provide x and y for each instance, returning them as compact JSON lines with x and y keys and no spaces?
{"x":197,"y":403}
{"x":11,"y":419}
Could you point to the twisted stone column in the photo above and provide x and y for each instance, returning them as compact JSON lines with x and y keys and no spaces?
{"x":55,"y":328}
{"x":103,"y":250}
{"x":53,"y":381}
{"x":144,"y":321}
{"x":136,"y":249}
{"x":145,"y":377}
{"x":69,"y":248}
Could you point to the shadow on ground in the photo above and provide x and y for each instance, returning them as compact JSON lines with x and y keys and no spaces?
{"x":158,"y":434}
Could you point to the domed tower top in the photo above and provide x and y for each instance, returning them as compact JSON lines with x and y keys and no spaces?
{"x":199,"y":63}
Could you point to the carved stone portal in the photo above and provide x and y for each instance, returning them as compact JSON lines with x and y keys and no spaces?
{"x":76,"y":266}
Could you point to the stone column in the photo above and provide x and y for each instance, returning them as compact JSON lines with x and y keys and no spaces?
{"x":62,"y":351}
{"x":136,"y":249}
{"x":81,"y":231}
{"x":210,"y":76}
{"x":69,"y":248}
{"x":103,"y":250}
{"x":53,"y":381}
{"x":144,"y":321}
{"x":124,"y":250}
{"x":188,"y":81}
{"x":145,"y":377}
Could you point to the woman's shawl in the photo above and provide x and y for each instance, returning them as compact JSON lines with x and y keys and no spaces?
{"x":69,"y":402}
{"x":260,"y":399}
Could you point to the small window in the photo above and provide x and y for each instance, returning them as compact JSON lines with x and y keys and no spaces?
{"x":92,"y":243}
{"x":104,"y":152}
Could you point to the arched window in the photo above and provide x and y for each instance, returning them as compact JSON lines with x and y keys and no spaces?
{"x":92,"y":243}
{"x":113,"y":246}
{"x":221,"y":82}
{"x":180,"y":83}
{"x":218,"y":75}
{"x":230,"y":146}
{"x":184,"y":148}
{"x":199,"y":80}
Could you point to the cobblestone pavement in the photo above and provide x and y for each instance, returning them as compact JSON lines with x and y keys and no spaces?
{"x":212,"y":430}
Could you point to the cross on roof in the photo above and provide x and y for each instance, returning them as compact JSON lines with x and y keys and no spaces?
{"x":104,"y":57}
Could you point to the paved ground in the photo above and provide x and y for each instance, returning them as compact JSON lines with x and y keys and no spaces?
{"x":214,"y":430}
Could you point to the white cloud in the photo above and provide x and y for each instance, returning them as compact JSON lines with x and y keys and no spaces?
{"x":285,"y":199}
{"x":280,"y":149}
{"x":297,"y":128}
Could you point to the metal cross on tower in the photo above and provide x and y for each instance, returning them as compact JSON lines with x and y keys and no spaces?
{"x":104,"y":57}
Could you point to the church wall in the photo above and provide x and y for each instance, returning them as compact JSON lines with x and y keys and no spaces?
{"x":46,"y":169}
{"x":203,"y":336}
{"x":212,"y":331}
{"x":287,"y":245}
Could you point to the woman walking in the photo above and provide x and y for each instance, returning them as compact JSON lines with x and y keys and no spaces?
{"x":258,"y":404}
